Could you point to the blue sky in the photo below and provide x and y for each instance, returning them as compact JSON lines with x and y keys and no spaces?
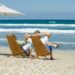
{"x":41,"y":9}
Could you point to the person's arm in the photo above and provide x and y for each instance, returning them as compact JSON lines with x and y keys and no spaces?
{"x":46,"y":34}
{"x":26,"y":37}
{"x":43,"y":34}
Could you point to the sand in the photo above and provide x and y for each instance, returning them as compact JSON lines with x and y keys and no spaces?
{"x":64,"y":64}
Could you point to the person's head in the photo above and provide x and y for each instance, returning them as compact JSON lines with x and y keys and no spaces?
{"x":36,"y":32}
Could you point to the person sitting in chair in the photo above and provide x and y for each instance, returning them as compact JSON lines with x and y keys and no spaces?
{"x":44,"y":40}
{"x":28,"y":46}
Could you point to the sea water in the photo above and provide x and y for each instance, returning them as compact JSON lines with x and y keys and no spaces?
{"x":62,"y":31}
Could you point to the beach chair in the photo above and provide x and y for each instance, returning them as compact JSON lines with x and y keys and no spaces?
{"x":14,"y":46}
{"x":39,"y":47}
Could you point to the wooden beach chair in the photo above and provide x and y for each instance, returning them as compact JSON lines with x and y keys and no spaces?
{"x":39,"y":47}
{"x":14,"y":46}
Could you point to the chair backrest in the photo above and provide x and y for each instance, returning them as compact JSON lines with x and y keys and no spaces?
{"x":40,"y":48}
{"x":14,"y":46}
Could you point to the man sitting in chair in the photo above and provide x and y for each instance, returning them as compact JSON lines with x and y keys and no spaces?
{"x":44,"y":40}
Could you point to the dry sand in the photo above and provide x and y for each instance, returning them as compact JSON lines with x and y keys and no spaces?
{"x":63,"y":65}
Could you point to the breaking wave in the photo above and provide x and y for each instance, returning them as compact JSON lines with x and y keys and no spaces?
{"x":31,"y":30}
{"x":52,"y":25}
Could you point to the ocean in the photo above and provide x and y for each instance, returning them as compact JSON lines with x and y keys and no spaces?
{"x":63,"y":31}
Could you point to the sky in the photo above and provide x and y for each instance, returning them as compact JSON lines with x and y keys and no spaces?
{"x":41,"y":9}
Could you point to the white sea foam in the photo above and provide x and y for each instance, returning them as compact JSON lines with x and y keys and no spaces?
{"x":21,"y":41}
{"x":51,"y":25}
{"x":1,"y":39}
{"x":64,"y":42}
{"x":31,"y":30}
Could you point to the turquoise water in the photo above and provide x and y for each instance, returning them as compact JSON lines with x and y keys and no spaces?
{"x":63,"y":31}
{"x":38,"y":21}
